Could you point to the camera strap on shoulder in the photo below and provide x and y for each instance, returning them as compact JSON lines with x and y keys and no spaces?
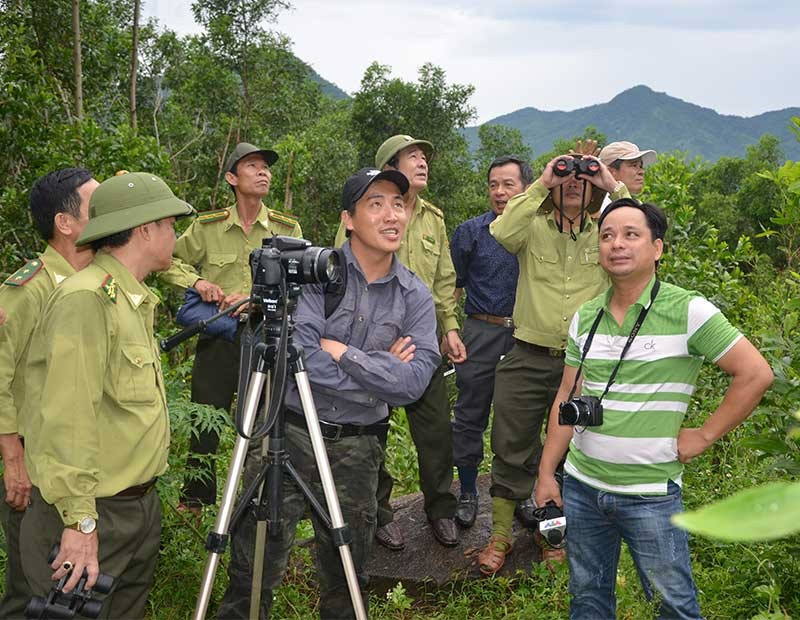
{"x":634,"y":331}
{"x":335,"y":289}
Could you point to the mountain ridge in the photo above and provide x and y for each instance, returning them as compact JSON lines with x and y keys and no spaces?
{"x":654,"y":120}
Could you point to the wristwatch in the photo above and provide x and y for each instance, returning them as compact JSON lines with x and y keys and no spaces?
{"x":86,"y":525}
{"x":617,"y":187}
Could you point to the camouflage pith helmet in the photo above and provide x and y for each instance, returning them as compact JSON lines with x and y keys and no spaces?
{"x":243,"y":149}
{"x":129,"y":200}
{"x":397,"y":143}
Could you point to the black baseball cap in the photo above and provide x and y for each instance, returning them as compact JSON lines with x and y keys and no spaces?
{"x":358,"y":183}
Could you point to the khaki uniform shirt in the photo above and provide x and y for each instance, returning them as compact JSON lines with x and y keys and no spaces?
{"x":216,"y":248}
{"x":23,"y":296}
{"x":556,"y":274}
{"x":426,"y":251}
{"x":98,"y":412}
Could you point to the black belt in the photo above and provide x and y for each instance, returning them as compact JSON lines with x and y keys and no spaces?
{"x":540,"y":349}
{"x":334,"y":432}
{"x":137,"y":490}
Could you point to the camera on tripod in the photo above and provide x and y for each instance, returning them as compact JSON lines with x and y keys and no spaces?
{"x":294,"y":259}
{"x":79,"y":601}
{"x":581,"y":411}
{"x":565,"y":166}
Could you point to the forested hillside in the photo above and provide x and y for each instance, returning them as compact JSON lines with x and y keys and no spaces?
{"x":180,"y":109}
{"x":657,"y":121}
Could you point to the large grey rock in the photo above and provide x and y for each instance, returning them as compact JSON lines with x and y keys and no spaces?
{"x":425,"y":562}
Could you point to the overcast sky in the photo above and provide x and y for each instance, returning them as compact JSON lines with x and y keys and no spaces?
{"x":737,"y":57}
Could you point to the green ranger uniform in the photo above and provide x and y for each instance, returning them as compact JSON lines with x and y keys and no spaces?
{"x":102,"y":423}
{"x":216,"y":248}
{"x":556,"y":275}
{"x":23,"y":296}
{"x":426,"y":251}
{"x":95,"y":407}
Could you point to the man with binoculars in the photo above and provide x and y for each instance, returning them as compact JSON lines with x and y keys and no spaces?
{"x":633,"y":358}
{"x":550,"y":229}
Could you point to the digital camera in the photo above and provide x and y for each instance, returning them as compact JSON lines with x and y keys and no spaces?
{"x":552,"y":524}
{"x":581,"y":411}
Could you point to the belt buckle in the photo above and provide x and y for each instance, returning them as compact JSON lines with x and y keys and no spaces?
{"x":330,"y":425}
{"x":508,"y":322}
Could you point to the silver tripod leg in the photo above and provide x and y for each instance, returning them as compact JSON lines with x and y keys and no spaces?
{"x":326,"y":477}
{"x":220,"y":531}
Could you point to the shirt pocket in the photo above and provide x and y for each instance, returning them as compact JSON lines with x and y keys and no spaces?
{"x":430,"y":254}
{"x":216,"y":264}
{"x":136,"y":375}
{"x":383,"y":331}
{"x":545,"y":263}
{"x":590,"y":256}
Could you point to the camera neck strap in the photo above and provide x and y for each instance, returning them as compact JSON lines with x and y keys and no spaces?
{"x":634,"y":331}
{"x":563,"y":216}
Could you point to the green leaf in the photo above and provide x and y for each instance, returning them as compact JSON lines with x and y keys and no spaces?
{"x":770,"y":445}
{"x":762,"y":513}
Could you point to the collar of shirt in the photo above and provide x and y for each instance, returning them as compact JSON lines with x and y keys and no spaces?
{"x":397,"y":270}
{"x":588,"y":225}
{"x":641,"y":302}
{"x":57,"y":267}
{"x":235,"y":220}
{"x":135,"y":292}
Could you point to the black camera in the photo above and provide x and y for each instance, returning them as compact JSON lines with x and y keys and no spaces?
{"x":565,"y":166}
{"x":79,"y":601}
{"x":581,"y":411}
{"x":552,"y":524}
{"x":294,"y":259}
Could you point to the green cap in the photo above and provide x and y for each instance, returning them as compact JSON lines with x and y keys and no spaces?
{"x":395,"y":144}
{"x":243,"y":149}
{"x":129,"y":200}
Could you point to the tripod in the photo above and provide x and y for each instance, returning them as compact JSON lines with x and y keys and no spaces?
{"x":266,"y":355}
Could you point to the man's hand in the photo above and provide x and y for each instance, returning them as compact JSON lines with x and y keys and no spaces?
{"x":209,"y":292}
{"x":233,"y":299}
{"x":15,"y":476}
{"x":80,"y":550}
{"x":549,"y":178}
{"x":603,"y":179}
{"x":692,"y":442}
{"x":586,"y":148}
{"x":547,"y":490}
{"x":456,"y":351}
{"x":335,"y":348}
{"x":402,"y":349}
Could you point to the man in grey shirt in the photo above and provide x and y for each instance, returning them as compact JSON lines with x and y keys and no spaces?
{"x":377,"y":349}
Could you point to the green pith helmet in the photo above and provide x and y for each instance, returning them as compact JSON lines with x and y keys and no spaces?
{"x":129,"y":200}
{"x":243,"y":149}
{"x":596,"y":201}
{"x":397,"y":143}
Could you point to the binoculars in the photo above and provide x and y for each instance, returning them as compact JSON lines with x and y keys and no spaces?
{"x":565,"y":166}
{"x":59,"y":604}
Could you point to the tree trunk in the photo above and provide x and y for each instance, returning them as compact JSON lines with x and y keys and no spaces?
{"x":76,"y":58}
{"x":134,"y":61}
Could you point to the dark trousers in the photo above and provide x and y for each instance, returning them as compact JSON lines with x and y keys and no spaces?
{"x":354,"y":462}
{"x":486,"y":344}
{"x":17,"y":593}
{"x":429,"y":423}
{"x":128,"y":530}
{"x":525,"y":385}
{"x":215,"y":379}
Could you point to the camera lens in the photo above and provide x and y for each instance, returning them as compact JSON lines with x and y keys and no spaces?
{"x":569,"y":412}
{"x":320,"y":264}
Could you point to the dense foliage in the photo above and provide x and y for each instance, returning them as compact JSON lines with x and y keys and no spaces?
{"x":735,"y":237}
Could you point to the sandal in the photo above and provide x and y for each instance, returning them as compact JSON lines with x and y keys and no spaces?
{"x":491,"y":559}
{"x":551,"y":556}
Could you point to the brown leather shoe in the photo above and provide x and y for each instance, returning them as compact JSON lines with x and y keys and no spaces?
{"x":391,"y":536}
{"x":445,"y":531}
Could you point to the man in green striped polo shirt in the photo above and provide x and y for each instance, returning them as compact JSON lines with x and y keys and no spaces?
{"x":623,"y":477}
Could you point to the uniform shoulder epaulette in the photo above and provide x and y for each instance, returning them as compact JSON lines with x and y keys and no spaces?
{"x":282,"y":218}
{"x":214,"y":216}
{"x":24,"y":274}
{"x":109,"y":286}
{"x":434,"y":208}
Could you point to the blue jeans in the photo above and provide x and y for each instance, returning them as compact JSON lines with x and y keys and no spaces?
{"x":598,"y":522}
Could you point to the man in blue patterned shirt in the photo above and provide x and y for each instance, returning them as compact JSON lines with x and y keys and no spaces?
{"x":489,"y":274}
